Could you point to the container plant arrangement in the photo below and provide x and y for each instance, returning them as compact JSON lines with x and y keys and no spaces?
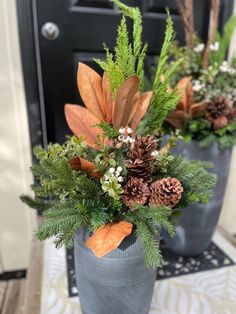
{"x":206,"y":116}
{"x":109,"y":189}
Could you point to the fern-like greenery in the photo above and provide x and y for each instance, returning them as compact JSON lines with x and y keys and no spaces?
{"x":128,"y":59}
{"x":163,"y":100}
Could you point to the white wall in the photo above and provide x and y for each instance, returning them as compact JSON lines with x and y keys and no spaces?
{"x":228,"y":215}
{"x":16,"y":221}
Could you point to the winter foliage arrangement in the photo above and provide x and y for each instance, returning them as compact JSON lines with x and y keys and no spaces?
{"x":206,"y":111}
{"x":112,"y":177}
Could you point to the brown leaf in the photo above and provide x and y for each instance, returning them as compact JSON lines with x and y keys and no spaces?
{"x":143,"y":104}
{"x":79,"y":163}
{"x":177,"y":119}
{"x":90,"y":88}
{"x":198,"y":109}
{"x":108,"y":103}
{"x":182,"y":87}
{"x":125,"y":102}
{"x":81,"y":122}
{"x":108,"y":237}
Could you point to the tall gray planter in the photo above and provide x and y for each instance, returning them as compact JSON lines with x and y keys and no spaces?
{"x":196,"y":226}
{"x":118,"y":283}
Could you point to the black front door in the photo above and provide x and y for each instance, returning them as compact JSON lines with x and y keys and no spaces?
{"x":77,"y":32}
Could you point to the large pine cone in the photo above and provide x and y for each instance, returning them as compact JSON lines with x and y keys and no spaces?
{"x":231,"y":114}
{"x":136,"y":191}
{"x":218,"y":106}
{"x":220,"y":122}
{"x":141,"y":160}
{"x":167,"y":191}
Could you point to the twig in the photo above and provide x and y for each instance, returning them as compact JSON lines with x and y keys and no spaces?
{"x":213,"y":25}
{"x":187,"y":17}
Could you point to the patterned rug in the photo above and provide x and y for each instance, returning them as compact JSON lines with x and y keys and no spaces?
{"x":206,"y":285}
{"x":173,"y":265}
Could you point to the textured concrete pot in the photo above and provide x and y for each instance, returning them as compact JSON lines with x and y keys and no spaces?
{"x":197,"y":224}
{"x":119,"y":283}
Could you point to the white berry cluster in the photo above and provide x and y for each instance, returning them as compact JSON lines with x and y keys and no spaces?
{"x":114,"y":173}
{"x":226,"y":68}
{"x":197,"y":85}
{"x":199,"y":48}
{"x":125,"y":136}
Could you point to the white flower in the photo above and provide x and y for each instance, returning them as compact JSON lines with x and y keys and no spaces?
{"x":129,"y":130}
{"x":226,"y":68}
{"x":119,"y":169}
{"x":215,"y":46}
{"x":199,"y":48}
{"x":122,"y":130}
{"x":132,"y":140}
{"x":120,"y":179}
{"x":111,"y":170}
{"x":197,"y":86}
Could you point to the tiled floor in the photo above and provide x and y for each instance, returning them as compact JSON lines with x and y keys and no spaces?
{"x":208,"y":292}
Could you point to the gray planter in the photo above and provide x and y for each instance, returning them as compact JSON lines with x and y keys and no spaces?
{"x":197,"y":224}
{"x":118,"y":283}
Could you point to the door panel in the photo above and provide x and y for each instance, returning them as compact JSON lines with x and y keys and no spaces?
{"x":84,"y":26}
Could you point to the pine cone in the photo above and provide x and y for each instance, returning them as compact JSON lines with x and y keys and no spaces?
{"x":136,"y":191}
{"x":217,"y":107}
{"x":141,"y":159}
{"x":220,"y":123}
{"x":231,"y":114}
{"x":167,"y":191}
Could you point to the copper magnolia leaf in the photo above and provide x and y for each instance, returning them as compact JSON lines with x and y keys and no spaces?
{"x":79,"y":163}
{"x":198,"y":109}
{"x":177,"y":119}
{"x":182,"y":88}
{"x":81,"y":122}
{"x":143,"y":104}
{"x":125,"y":101}
{"x":108,"y":237}
{"x":90,"y":88}
{"x":108,"y":103}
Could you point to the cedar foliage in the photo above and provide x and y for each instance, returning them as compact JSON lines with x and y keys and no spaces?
{"x":163,"y":101}
{"x":128,"y":59}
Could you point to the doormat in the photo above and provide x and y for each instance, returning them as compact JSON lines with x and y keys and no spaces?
{"x":174,"y":265}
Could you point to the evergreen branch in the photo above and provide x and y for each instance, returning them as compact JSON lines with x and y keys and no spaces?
{"x":163,"y":101}
{"x":198,"y":183}
{"x":150,"y":245}
{"x":169,"y":37}
{"x":35,"y":204}
{"x":128,"y":58}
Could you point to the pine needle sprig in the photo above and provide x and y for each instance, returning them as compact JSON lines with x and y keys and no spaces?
{"x":148,"y":221}
{"x":39,"y":204}
{"x":150,"y":245}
